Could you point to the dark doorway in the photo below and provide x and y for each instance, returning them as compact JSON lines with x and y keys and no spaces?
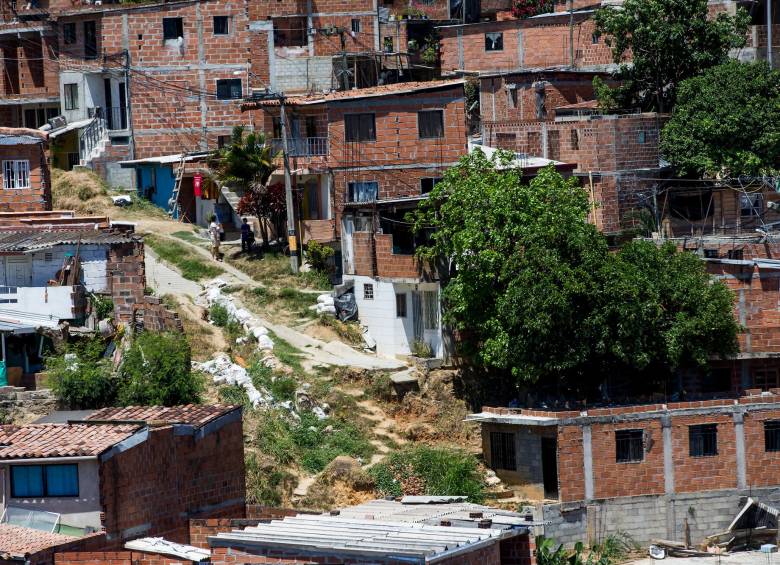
{"x":122,"y":105}
{"x":550,"y":466}
{"x":90,"y":40}
{"x":109,"y":117}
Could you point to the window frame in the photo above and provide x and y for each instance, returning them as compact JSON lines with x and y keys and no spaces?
{"x":356,"y":136}
{"x":499,"y":35}
{"x":629,"y":436}
{"x":70,"y":96}
{"x":772,"y":427}
{"x":503,"y":452}
{"x":400,"y":305}
{"x":368,"y":291}
{"x":355,"y":25}
{"x":433,"y":180}
{"x":69,"y":33}
{"x":44,"y":480}
{"x":232,"y":82}
{"x":751,"y":204}
{"x":438,"y":125}
{"x":703,"y":440}
{"x":225,"y":19}
{"x":90,"y":51}
{"x":179,"y":24}
{"x":351,"y":190}
{"x":13,"y":166}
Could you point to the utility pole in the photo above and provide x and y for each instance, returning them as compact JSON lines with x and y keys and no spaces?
{"x":292,"y":238}
{"x":128,"y":105}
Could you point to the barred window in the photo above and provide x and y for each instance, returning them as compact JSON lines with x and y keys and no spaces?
{"x":221,"y":25}
{"x":16,"y":174}
{"x":400,"y":305}
{"x":629,"y":446}
{"x":703,"y":440}
{"x":430,"y":124}
{"x":368,"y":291}
{"x":71,"y":96}
{"x":431,"y":310}
{"x":359,"y":127}
{"x":772,"y":435}
{"x":229,"y":89}
{"x":502,"y":451}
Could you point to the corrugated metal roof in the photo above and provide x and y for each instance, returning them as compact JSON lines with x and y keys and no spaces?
{"x":433,"y":509}
{"x":19,"y":140}
{"x":22,"y":241}
{"x":336,"y":536}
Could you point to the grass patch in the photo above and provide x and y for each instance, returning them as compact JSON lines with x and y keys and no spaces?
{"x":306,"y":441}
{"x":431,"y":471}
{"x":234,"y":394}
{"x":298,"y":302}
{"x":287,"y":353}
{"x":281,"y":386}
{"x":380,"y":387}
{"x":267,"y":483}
{"x":190,"y":237}
{"x":273,"y":270}
{"x":191,"y":265}
{"x":350,"y":332}
{"x":315,"y":279}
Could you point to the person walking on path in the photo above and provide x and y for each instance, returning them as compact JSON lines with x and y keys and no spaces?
{"x":214,"y":235}
{"x":247,"y":236}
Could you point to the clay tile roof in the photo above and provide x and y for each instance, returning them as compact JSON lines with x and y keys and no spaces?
{"x":586,"y":104}
{"x":16,"y":541}
{"x":370,"y":92}
{"x":193,"y":414}
{"x":60,"y":440}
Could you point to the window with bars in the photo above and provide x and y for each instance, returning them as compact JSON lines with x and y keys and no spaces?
{"x":368,"y":291}
{"x":502,"y":451}
{"x":431,"y":310}
{"x":703,"y":440}
{"x":765,"y":379}
{"x":359,"y":127}
{"x":430,"y":124}
{"x":221,"y":25}
{"x":629,"y":446}
{"x":772,"y":435}
{"x":16,"y":174}
{"x":229,"y":89}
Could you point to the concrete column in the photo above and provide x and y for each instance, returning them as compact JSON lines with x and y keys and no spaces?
{"x":666,"y":425}
{"x":520,"y":49}
{"x":739,"y":436}
{"x":461,"y":62}
{"x":202,"y":77}
{"x":587,"y":461}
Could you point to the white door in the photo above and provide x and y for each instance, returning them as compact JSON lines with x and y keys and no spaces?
{"x":18,"y":271}
{"x":348,"y":228}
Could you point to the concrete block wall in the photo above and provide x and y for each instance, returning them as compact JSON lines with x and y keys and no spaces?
{"x":126,"y":278}
{"x":305,"y":73}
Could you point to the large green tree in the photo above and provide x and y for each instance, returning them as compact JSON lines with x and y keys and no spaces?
{"x":660,"y":43}
{"x":536,"y":291}
{"x":726,"y":122}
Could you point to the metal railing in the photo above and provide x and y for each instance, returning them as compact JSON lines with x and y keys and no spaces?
{"x":115,"y":116}
{"x":91,"y":137}
{"x":303,"y":146}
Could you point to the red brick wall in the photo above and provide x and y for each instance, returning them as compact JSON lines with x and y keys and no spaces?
{"x":38,"y":196}
{"x":693,"y":474}
{"x":115,"y":558}
{"x":545,"y":43}
{"x":29,"y":64}
{"x":168,"y":479}
{"x":519,"y":550}
{"x":571,"y":479}
{"x":127,"y":278}
{"x":626,"y":479}
{"x":91,"y":542}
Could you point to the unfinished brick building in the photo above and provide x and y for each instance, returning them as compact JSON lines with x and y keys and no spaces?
{"x":649,"y":471}
{"x":131,"y":471}
{"x":26,"y":181}
{"x":363,"y":159}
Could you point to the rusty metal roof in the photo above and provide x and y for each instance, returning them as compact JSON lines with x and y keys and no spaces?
{"x":21,"y":241}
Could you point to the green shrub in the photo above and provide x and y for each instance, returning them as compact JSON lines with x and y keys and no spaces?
{"x":432,"y":471}
{"x":318,"y":255}
{"x":103,"y":306}
{"x":83,"y":382}
{"x":306,"y":441}
{"x":266,"y":484}
{"x":156,"y":371}
{"x":219,"y":315}
{"x":234,"y":394}
{"x":380,"y":387}
{"x":421,"y":349}
{"x":613,"y":548}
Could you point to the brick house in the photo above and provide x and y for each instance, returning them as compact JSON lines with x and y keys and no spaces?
{"x":26,"y":182}
{"x":649,"y":471}
{"x":361,"y":160}
{"x":129,"y":472}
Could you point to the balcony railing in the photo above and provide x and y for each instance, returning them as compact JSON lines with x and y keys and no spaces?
{"x":303,"y":146}
{"x":115,"y":116}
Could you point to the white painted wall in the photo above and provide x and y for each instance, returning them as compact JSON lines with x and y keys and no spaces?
{"x":91,"y":93}
{"x":393,"y":335}
{"x":53,"y":301}
{"x":80,"y":512}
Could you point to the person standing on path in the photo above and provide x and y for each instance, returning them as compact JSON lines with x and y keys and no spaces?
{"x":214,"y":230}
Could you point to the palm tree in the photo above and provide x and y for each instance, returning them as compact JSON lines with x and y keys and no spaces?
{"x":248,"y":163}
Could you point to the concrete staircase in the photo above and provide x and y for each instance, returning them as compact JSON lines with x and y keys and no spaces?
{"x":231,"y":196}
{"x":92,"y":142}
